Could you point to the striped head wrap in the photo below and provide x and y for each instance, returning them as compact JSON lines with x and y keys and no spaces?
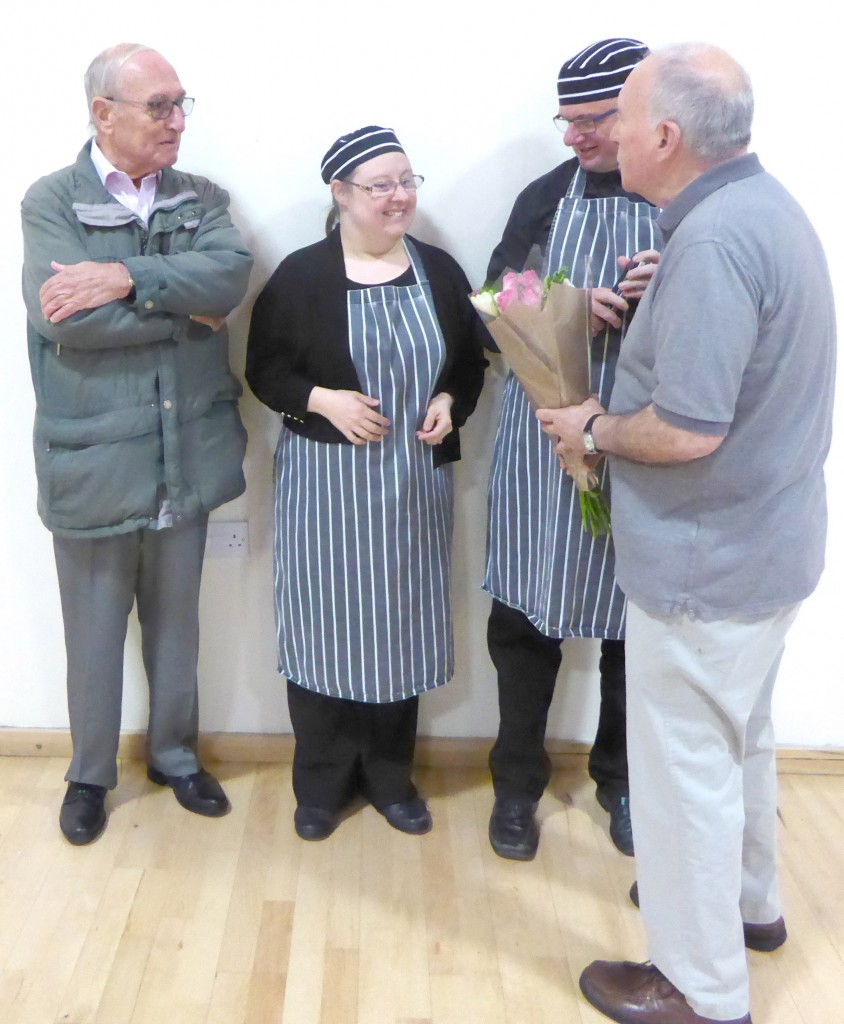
{"x":599,"y":71}
{"x":354,"y":149}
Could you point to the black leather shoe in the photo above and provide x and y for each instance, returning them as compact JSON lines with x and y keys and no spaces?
{"x":411,"y":816}
{"x":764,"y":938}
{"x":513,"y":830}
{"x":82,"y":818}
{"x":313,"y":823}
{"x":621,"y":828}
{"x":198,"y":792}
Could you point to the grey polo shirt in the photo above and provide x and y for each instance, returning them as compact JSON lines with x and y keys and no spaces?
{"x":734,"y":337}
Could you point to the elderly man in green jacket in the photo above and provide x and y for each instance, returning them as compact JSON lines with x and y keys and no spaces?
{"x":130,"y":268}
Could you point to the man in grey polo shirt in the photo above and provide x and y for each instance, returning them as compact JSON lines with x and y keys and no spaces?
{"x":718,"y":429}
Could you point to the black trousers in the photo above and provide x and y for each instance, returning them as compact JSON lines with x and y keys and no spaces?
{"x":527,"y":663}
{"x":346,"y":747}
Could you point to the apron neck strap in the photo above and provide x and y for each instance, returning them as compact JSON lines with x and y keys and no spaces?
{"x":415,"y":261}
{"x":577,"y":185}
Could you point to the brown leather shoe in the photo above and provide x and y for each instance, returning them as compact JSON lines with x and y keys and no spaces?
{"x":764,"y":938}
{"x":639,"y":994}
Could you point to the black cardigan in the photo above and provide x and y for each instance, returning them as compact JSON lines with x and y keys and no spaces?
{"x":299,"y":339}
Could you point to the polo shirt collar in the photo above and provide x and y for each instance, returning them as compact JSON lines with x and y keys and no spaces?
{"x":710,"y":181}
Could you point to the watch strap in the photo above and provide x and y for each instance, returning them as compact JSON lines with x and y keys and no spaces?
{"x":588,"y":439}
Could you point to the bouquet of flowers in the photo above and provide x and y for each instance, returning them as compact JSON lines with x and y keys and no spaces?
{"x":541,"y":326}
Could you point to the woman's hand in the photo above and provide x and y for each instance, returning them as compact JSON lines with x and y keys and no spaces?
{"x":437,"y":422}
{"x":352,"y":413}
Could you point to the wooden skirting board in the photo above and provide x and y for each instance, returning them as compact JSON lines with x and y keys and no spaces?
{"x":431,"y":751}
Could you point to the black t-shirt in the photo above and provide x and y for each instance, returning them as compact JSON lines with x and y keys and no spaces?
{"x":533,"y":213}
{"x":404,"y":280}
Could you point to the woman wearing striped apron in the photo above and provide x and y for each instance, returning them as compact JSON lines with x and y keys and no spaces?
{"x":369,"y":347}
{"x":548,"y":577}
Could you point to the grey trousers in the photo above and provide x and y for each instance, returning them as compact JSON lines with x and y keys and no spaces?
{"x":703,"y":795}
{"x":99,"y":581}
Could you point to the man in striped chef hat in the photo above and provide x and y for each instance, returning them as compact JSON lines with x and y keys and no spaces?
{"x":549,"y":579}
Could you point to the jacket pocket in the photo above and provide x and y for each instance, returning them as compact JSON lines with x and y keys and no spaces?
{"x":96,"y":486}
{"x":212,"y":450}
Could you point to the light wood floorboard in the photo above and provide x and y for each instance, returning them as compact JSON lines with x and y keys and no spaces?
{"x":171,"y":918}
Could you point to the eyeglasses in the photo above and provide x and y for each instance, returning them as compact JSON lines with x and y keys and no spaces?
{"x":582,"y":125}
{"x":383,"y":189}
{"x":160,"y":109}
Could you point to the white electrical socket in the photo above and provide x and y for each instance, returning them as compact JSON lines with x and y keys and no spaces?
{"x":227,"y":540}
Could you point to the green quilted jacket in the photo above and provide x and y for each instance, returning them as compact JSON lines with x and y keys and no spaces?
{"x":136,"y":407}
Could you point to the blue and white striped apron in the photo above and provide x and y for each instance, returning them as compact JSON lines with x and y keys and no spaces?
{"x":363,"y":532}
{"x":539,"y":558}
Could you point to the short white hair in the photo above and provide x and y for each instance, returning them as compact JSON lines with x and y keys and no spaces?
{"x":104,"y":70}
{"x":713,"y":110}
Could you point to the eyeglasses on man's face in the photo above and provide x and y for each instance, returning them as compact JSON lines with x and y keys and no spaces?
{"x":582,"y":125}
{"x":383,"y":189}
{"x":160,"y":108}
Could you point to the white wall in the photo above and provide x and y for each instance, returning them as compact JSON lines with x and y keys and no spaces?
{"x":470,"y":89}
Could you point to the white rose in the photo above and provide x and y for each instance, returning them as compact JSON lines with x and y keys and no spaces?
{"x":484,"y":303}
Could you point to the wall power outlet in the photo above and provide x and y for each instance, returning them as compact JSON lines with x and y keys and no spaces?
{"x":227,"y":540}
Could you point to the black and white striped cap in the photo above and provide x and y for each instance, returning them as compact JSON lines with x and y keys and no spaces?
{"x":599,"y":71}
{"x":354,"y":149}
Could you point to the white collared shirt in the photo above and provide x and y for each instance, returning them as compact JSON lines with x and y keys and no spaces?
{"x":121,"y":186}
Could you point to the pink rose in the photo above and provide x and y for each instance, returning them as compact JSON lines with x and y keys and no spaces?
{"x":504,"y":298}
{"x":529,"y":297}
{"x":529,"y":282}
{"x":526,"y":289}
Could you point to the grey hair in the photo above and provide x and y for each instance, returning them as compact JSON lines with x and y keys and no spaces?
{"x":711,"y":100}
{"x":104,"y":70}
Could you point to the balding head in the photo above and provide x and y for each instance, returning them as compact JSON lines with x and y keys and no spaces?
{"x":103,"y":71}
{"x":707,"y":94}
{"x":683,"y":110}
{"x":137,"y":110}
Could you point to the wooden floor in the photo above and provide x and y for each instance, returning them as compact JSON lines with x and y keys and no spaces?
{"x":172,"y":918}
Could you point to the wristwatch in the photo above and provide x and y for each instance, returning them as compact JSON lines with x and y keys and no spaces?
{"x":588,"y":439}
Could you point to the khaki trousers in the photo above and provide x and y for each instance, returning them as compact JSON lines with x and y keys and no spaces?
{"x":703,"y":795}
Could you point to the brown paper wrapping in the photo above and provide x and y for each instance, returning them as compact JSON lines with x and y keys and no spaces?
{"x":548,"y":349}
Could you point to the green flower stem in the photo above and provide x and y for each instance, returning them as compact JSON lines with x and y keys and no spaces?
{"x":594,"y":512}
